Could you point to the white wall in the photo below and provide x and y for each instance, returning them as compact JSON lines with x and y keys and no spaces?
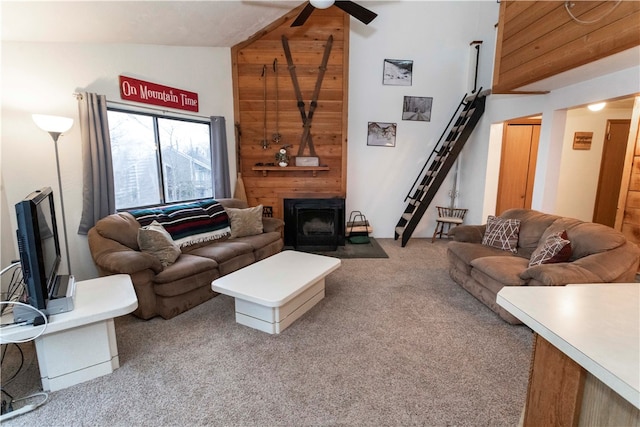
{"x":437,"y":37}
{"x":578,"y":184}
{"x":41,"y":78}
{"x":550,"y":183}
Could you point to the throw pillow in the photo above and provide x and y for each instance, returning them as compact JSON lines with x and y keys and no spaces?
{"x":245,"y":222}
{"x":502,"y":233}
{"x":556,"y":248}
{"x":155,"y":240}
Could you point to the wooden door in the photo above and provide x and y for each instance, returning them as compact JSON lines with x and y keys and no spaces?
{"x":518,"y":164}
{"x":611,"y":167}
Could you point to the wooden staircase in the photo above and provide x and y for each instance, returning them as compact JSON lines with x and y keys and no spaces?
{"x":440,"y":161}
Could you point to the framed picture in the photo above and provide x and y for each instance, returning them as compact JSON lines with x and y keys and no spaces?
{"x":397,"y":72}
{"x":582,"y":140}
{"x":381,"y":134}
{"x":417,"y":108}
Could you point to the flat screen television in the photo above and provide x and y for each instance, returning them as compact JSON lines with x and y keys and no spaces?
{"x":39,"y":246}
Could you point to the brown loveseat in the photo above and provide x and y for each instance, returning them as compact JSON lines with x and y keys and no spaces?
{"x":171,"y":290}
{"x":599,"y":254}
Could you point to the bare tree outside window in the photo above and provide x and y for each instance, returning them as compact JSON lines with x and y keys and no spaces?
{"x":186,"y":152}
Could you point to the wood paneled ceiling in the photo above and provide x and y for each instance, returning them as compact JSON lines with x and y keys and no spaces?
{"x":539,"y":40}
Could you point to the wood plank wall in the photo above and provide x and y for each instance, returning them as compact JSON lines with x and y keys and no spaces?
{"x":539,"y":39}
{"x":329,"y":125}
{"x":629,"y":203}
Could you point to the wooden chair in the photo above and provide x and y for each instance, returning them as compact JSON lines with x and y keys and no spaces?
{"x":447,"y":217}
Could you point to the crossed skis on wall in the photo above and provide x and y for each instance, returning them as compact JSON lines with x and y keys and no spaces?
{"x":306,"y":139}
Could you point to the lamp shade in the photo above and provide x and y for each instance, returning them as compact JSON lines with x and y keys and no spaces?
{"x":55,"y":124}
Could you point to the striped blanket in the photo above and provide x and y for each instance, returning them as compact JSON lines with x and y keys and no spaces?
{"x":188,"y":223}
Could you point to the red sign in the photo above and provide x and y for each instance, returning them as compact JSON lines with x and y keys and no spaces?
{"x":151,"y":93}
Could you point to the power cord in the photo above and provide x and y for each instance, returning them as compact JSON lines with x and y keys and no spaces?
{"x":8,"y":409}
{"x":16,"y":284}
{"x":4,"y":355}
{"x":569,"y":4}
{"x":11,"y":299}
{"x":24,"y":409}
{"x":40,"y":320}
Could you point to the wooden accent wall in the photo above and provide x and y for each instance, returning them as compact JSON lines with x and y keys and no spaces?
{"x":628,"y":216}
{"x":329,"y":124}
{"x":539,"y":39}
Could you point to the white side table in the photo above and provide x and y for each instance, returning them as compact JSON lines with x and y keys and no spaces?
{"x":80,"y":345}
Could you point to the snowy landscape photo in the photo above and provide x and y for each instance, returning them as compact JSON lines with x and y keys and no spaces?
{"x":397,"y":72}
{"x":417,"y":108}
{"x":381,"y":134}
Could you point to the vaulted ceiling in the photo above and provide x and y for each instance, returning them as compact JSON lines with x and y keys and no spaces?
{"x":174,"y":23}
{"x":209,"y":23}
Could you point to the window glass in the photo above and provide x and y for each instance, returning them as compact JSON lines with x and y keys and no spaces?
{"x":145,"y":176}
{"x":186,"y":157}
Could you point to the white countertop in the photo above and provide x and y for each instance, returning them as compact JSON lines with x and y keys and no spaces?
{"x":596,"y":325}
{"x":96,"y":300}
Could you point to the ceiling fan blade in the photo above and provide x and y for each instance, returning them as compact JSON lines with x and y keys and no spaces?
{"x":360,"y":13}
{"x":303,"y":16}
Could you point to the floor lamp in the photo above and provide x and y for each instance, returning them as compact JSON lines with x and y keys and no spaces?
{"x":56,"y":125}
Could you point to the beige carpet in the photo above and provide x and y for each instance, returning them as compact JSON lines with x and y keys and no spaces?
{"x":395,"y":343}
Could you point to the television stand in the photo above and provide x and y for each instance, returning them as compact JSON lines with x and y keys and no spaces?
{"x":79,"y":345}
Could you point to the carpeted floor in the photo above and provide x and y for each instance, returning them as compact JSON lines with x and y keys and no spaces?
{"x":395,"y":342}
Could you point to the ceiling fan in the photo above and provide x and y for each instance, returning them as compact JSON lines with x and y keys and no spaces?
{"x":360,"y":13}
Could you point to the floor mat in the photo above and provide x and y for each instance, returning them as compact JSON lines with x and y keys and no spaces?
{"x":349,"y":250}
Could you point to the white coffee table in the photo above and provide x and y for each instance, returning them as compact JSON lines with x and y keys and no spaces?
{"x":272,"y":293}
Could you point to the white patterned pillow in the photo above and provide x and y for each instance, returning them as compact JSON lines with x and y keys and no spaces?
{"x":502,"y":233}
{"x":556,"y":248}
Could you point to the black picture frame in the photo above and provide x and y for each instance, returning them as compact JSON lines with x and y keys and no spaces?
{"x":397,"y":72}
{"x":417,"y":108}
{"x":381,"y":134}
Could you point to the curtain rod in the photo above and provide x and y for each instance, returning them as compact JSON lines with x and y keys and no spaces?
{"x":79,"y":96}
{"x":158,"y":109}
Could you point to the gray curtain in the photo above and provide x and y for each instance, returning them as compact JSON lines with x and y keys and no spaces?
{"x":98,"y":196}
{"x":221,"y":180}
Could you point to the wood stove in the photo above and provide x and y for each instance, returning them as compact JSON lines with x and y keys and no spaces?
{"x":314,"y":224}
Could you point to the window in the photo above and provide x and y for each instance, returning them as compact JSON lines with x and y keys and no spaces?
{"x":159,"y":160}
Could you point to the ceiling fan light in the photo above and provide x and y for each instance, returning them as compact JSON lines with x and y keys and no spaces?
{"x":597,"y":107}
{"x":321,"y":4}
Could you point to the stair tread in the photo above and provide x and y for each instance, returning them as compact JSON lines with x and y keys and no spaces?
{"x":441,"y":163}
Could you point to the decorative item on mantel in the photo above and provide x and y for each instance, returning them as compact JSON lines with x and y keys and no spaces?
{"x":264,"y":142}
{"x":282,"y":156}
{"x":306,"y":140}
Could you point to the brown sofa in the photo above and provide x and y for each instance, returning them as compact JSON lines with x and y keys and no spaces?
{"x":599,"y":254}
{"x":171,"y":290}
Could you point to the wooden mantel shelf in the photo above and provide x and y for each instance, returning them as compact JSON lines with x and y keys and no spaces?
{"x":313,"y":169}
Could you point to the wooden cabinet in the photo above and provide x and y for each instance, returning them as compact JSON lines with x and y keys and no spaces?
{"x":562,"y":393}
{"x":585,"y":369}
